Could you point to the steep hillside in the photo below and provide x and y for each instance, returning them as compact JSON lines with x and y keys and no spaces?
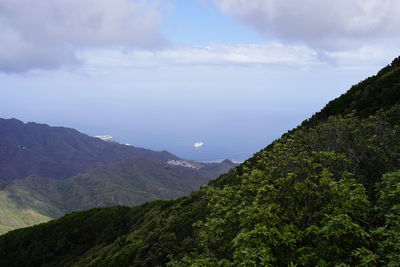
{"x":13,"y":215}
{"x":131,"y":182}
{"x":57,"y":152}
{"x":324,"y":194}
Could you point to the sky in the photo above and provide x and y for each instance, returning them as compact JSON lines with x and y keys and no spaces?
{"x":231,"y":75}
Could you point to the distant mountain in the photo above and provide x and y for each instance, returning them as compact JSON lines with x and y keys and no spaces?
{"x":57,"y":152}
{"x":127,"y":183}
{"x":46,"y":172}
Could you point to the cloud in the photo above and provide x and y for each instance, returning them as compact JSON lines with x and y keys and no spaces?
{"x":321,"y":24}
{"x":207,"y":56}
{"x":236,"y":55}
{"x":198,"y":144}
{"x":47,"y":34}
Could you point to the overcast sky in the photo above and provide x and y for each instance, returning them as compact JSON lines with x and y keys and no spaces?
{"x":233,"y":74}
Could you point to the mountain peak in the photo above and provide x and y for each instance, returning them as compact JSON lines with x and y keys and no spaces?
{"x":11,"y":121}
{"x":57,"y":152}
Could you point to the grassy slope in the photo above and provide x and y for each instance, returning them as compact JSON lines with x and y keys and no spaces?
{"x":14,"y":216}
{"x":159,"y":230}
{"x":132,"y":182}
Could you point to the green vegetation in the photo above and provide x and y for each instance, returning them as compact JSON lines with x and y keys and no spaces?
{"x":12,"y":215}
{"x":325,"y":194}
{"x":135,"y":181}
{"x":305,"y":201}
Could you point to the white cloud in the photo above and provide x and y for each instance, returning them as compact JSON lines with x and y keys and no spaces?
{"x":369,"y":55}
{"x":198,"y":144}
{"x":237,"y":55}
{"x":322,"y":24}
{"x":208,"y":56}
{"x":47,"y":33}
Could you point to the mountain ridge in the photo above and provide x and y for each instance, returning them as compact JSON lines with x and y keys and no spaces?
{"x":57,"y":152}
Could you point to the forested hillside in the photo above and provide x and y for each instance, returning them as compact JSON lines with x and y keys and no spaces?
{"x":325,"y":194}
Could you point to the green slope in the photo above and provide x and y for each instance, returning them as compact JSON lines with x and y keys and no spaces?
{"x":14,"y":216}
{"x":128,"y":183}
{"x":325,"y":194}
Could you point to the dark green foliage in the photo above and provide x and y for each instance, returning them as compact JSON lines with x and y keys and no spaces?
{"x":163,"y":232}
{"x":294,"y":205}
{"x":314,"y":197}
{"x":388,"y":209}
{"x":118,"y":236}
{"x":62,"y":240}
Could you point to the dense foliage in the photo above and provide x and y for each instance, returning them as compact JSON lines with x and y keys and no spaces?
{"x":117,"y":236}
{"x":325,"y":194}
{"x":308,"y":201}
